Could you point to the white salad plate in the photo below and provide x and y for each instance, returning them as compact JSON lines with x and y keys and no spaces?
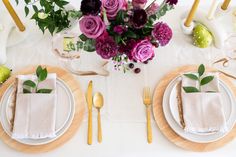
{"x":65,"y":110}
{"x":171,"y":113}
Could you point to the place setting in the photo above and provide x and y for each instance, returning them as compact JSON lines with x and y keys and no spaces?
{"x":194,"y":108}
{"x":105,"y":55}
{"x":41,"y":108}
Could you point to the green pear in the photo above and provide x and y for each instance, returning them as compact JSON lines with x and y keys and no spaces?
{"x":201,"y":36}
{"x":4,"y":73}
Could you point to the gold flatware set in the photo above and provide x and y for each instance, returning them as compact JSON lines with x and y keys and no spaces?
{"x":97,"y":101}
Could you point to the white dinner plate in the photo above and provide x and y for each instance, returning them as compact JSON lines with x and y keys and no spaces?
{"x":170,"y":109}
{"x":64,"y":113}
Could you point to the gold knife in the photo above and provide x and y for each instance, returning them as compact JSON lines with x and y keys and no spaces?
{"x":90,"y":104}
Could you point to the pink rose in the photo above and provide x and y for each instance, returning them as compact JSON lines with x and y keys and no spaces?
{"x":139,"y":3}
{"x":151,"y":10}
{"x":112,"y":7}
{"x":92,"y":26}
{"x":142,"y":51}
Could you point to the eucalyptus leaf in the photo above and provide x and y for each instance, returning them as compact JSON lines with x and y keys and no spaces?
{"x":89,"y":45}
{"x":39,"y":70}
{"x":43,"y":75}
{"x":190,"y":89}
{"x":201,"y":70}
{"x":26,"y":90}
{"x":29,"y":83}
{"x":206,"y":80}
{"x":44,"y":91}
{"x":191,"y":76}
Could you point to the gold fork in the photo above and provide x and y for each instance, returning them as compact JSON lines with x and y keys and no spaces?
{"x":147,"y":102}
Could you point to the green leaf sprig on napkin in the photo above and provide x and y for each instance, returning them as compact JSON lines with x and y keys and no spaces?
{"x":31,"y":87}
{"x":198,"y":77}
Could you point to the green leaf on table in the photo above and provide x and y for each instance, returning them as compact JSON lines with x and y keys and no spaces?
{"x":201,"y":70}
{"x":26,"y":11}
{"x":44,"y":91}
{"x":29,"y":83}
{"x":43,"y":75}
{"x":206,"y":80}
{"x":190,"y":89}
{"x":191,"y":76}
{"x":26,"y":90}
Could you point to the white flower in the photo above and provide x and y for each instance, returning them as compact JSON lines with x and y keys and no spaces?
{"x":42,"y":15}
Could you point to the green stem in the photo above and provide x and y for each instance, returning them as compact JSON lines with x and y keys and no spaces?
{"x":199,"y":87}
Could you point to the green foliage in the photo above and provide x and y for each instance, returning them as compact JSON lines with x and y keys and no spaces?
{"x":190,"y":89}
{"x":50,"y":14}
{"x":30,"y":86}
{"x":201,"y":81}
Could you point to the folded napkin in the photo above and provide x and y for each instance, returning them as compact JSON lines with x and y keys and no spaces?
{"x":203,"y":111}
{"x":35,"y":114}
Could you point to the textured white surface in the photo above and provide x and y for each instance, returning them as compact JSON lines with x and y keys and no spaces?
{"x":123,"y":116}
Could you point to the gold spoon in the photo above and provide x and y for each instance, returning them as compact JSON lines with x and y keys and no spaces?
{"x":98,"y":103}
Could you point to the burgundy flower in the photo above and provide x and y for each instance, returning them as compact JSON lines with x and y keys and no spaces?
{"x":162,"y":32}
{"x":90,"y":7}
{"x":172,"y":2}
{"x":106,"y":47}
{"x":139,"y":18}
{"x":126,"y":49}
{"x":139,"y":3}
{"x":119,"y":29}
{"x":142,"y":51}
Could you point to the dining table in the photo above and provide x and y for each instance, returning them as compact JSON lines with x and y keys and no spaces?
{"x":123,"y":114}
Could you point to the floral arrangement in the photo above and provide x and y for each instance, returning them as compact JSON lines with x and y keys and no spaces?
{"x":123,"y":31}
{"x":120,"y":30}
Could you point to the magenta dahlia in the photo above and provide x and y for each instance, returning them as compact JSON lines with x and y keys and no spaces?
{"x":106,"y":47}
{"x":162,"y":32}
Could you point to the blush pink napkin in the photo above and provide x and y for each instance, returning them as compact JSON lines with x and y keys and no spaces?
{"x":35,"y":114}
{"x":203,"y":112}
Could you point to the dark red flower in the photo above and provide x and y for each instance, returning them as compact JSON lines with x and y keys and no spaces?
{"x":139,"y":18}
{"x":172,"y":2}
{"x":106,"y":47}
{"x":90,"y":7}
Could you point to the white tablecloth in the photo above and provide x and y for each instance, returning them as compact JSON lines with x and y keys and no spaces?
{"x":123,"y":116}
